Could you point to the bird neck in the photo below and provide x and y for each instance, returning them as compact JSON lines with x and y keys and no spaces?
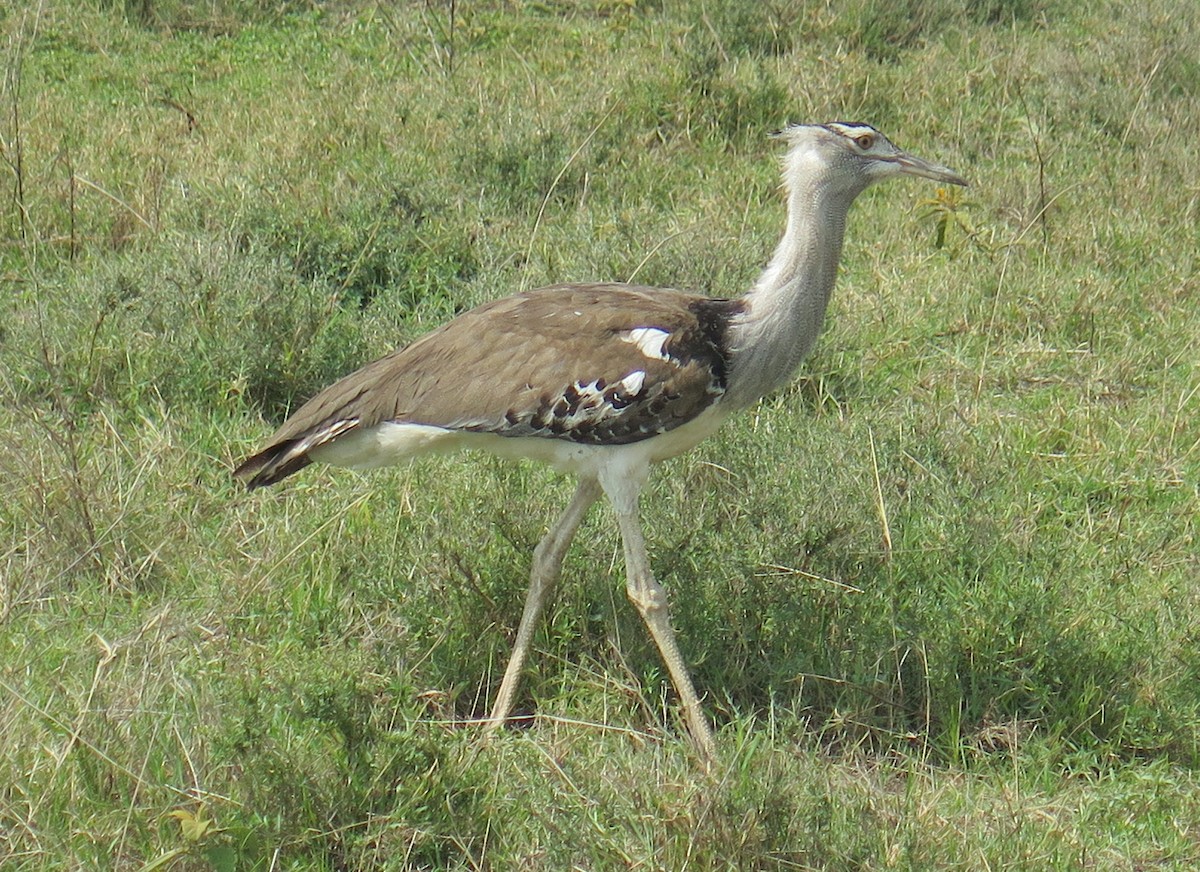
{"x":785,"y":308}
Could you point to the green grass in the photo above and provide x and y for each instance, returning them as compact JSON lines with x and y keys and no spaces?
{"x":940,"y":594}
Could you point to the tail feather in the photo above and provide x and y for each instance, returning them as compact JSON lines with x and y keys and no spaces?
{"x":271,"y":465}
{"x":280,"y":459}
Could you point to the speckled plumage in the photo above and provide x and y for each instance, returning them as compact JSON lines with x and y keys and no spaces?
{"x":549,"y":363}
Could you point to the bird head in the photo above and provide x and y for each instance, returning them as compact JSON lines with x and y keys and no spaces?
{"x":849,"y":157}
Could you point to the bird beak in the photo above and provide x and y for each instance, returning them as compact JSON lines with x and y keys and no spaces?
{"x":914,"y":166}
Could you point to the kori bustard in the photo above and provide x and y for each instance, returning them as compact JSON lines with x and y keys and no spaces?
{"x":603,"y":380}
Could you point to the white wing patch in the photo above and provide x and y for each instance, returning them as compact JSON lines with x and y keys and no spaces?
{"x":649,"y":341}
{"x":633,"y":382}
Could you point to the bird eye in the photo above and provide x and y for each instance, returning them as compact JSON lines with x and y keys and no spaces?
{"x":865,"y":141}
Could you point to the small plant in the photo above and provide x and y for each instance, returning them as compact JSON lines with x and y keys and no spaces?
{"x":945,"y":210}
{"x":199,"y":833}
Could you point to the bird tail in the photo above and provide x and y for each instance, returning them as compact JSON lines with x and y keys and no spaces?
{"x":284,"y":456}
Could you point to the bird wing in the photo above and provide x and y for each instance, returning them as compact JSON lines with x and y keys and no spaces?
{"x":594,"y":364}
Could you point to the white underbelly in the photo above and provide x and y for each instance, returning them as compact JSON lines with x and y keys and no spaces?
{"x":393,"y":442}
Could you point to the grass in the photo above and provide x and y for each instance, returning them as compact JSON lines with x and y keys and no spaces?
{"x":940,"y":594}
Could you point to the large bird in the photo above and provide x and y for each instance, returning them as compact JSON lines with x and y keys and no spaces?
{"x":603,"y":380}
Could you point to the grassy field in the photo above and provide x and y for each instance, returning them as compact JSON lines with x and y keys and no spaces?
{"x":942,"y":595}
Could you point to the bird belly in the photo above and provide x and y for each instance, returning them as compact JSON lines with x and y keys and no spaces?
{"x":689,"y":435}
{"x":384,"y":444}
{"x":395,"y":442}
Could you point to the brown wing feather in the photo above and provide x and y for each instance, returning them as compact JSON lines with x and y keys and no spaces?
{"x":528,"y":365}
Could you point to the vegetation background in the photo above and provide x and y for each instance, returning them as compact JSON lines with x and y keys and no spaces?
{"x":942,"y":594}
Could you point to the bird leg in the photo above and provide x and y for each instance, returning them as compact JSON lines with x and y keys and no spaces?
{"x":547,"y":565}
{"x":651,"y":601}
